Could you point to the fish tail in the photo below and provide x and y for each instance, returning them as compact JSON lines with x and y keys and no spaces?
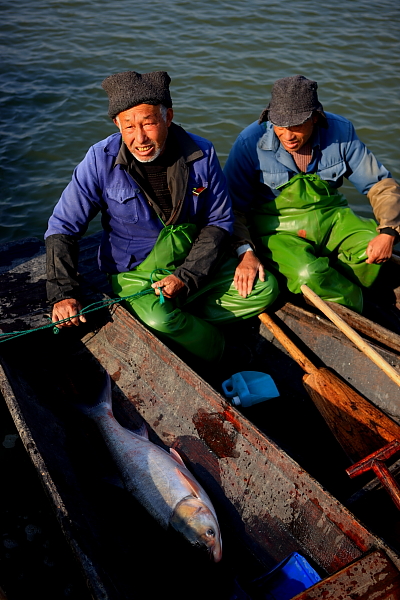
{"x":103,"y":402}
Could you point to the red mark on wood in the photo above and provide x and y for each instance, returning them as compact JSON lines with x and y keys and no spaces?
{"x":217,"y":432}
{"x":230,"y":416}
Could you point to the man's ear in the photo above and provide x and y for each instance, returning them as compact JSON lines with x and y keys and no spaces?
{"x":170,"y":116}
{"x":116,"y":123}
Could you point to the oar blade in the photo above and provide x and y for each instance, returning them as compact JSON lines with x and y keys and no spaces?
{"x":359,"y":427}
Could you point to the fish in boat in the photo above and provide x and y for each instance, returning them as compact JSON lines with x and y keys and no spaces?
{"x":274,"y":472}
{"x":157,"y":478}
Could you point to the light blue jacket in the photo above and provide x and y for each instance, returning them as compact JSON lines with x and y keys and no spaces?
{"x":258,"y":164}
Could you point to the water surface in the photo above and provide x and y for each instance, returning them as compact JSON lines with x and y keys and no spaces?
{"x":222,"y":57}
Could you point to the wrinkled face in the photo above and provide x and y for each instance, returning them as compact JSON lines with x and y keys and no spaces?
{"x":293,"y":138}
{"x":144,"y":130}
{"x":195,"y":521}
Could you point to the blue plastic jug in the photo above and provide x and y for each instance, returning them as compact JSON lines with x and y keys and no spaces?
{"x":249,"y":387}
{"x":292,"y":576}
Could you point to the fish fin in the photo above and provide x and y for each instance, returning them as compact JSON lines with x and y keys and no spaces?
{"x":194,"y":486}
{"x":177,"y":457}
{"x":142,"y":431}
{"x":102,"y":403}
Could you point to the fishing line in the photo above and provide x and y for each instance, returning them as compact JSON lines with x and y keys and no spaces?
{"x":90,"y":308}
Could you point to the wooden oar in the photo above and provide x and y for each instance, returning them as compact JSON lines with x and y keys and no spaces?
{"x":351,"y":334}
{"x":359,"y":426}
{"x":396,"y":259}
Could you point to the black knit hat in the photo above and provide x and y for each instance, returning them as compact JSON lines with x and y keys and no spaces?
{"x":293,"y":100}
{"x":129,"y":89}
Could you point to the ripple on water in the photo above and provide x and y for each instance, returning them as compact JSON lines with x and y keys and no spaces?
{"x":222,"y":58}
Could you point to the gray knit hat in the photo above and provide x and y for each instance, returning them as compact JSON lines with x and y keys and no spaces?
{"x":129,"y":89}
{"x":293,"y":100}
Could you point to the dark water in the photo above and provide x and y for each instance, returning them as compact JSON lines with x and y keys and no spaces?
{"x":223,"y":58}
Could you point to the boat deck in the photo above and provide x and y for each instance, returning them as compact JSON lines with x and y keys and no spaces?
{"x":48,"y":370}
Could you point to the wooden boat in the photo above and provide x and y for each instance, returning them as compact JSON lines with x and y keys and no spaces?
{"x":277,"y":481}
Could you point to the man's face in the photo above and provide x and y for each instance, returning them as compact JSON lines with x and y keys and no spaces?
{"x":293,"y":138}
{"x":144,"y":130}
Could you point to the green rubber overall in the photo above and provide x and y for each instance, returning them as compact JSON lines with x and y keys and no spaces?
{"x":190,"y":322}
{"x":310,"y":235}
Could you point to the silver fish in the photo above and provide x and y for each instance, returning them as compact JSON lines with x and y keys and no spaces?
{"x":159,"y":480}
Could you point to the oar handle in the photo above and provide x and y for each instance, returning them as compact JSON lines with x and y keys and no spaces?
{"x":351,"y":334}
{"x":301,"y":359}
{"x":396,"y":259}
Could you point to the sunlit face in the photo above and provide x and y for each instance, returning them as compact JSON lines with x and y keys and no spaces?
{"x":294,"y":138}
{"x":144,"y":130}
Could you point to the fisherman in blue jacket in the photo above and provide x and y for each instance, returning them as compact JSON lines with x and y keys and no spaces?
{"x":284,"y":173}
{"x":167,"y":221}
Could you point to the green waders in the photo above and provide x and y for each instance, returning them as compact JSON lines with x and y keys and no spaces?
{"x":310,"y":235}
{"x":189,"y":321}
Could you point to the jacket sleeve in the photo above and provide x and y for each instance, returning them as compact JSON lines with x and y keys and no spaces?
{"x":241,"y":233}
{"x":80,"y":201}
{"x":241,"y":172}
{"x":384,"y":197}
{"x":203,"y":257}
{"x":363,"y":169}
{"x":62,"y":253}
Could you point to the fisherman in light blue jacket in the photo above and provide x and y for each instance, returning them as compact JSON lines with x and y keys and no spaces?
{"x":283,"y":176}
{"x":167,"y":221}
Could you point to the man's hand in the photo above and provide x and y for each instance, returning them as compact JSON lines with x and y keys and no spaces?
{"x":171,"y":286}
{"x":65,"y":309}
{"x":246,"y":272}
{"x":379,"y":250}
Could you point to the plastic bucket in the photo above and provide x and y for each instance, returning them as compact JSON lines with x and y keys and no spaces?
{"x":292,"y":576}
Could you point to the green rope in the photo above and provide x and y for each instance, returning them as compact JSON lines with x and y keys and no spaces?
{"x":90,"y":308}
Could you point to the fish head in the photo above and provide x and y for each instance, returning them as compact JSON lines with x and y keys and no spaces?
{"x":198,"y":524}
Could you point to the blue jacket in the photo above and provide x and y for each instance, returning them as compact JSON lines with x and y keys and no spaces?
{"x":130,"y":223}
{"x":257,"y":164}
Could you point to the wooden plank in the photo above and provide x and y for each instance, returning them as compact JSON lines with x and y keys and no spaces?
{"x":249,"y":468}
{"x":332,"y":349}
{"x":268,"y":502}
{"x":22,"y":285}
{"x":372,"y":577}
{"x":351,"y":334}
{"x":372,"y":331}
{"x":91,"y":571}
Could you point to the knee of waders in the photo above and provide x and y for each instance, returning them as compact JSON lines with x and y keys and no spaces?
{"x":271,"y":287}
{"x":163,"y":318}
{"x":264,"y":293}
{"x":306,"y":273}
{"x":328,"y":284}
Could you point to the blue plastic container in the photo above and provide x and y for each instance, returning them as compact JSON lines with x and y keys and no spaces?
{"x":249,"y":387}
{"x":292,"y":576}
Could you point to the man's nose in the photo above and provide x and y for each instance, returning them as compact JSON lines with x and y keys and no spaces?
{"x":288,"y":135}
{"x":140,"y":135}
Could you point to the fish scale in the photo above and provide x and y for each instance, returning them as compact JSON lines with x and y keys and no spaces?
{"x":158,"y":479}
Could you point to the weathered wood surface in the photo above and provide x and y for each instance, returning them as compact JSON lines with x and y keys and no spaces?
{"x":356,"y":423}
{"x":270,"y":505}
{"x":250,"y":469}
{"x":40,"y":459}
{"x":373,"y":577}
{"x":350,"y":333}
{"x":22,"y":285}
{"x":335,"y":351}
{"x":23,"y":306}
